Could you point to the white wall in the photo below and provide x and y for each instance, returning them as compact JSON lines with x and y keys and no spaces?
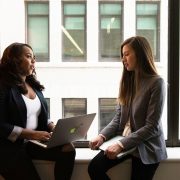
{"x":88,"y":81}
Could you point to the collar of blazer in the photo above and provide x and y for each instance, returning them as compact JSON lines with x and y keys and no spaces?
{"x":21,"y":104}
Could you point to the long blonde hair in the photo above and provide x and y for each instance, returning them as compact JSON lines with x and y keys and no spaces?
{"x":130,"y":80}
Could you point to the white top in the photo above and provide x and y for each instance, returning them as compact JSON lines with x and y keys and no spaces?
{"x":127,"y":129}
{"x":33,"y":107}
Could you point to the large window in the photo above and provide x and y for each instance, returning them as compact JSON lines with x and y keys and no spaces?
{"x":74,"y":31}
{"x":91,"y":31}
{"x":38,"y":29}
{"x":110,"y":30}
{"x":74,"y":107}
{"x":107,"y":107}
{"x":148,"y":24}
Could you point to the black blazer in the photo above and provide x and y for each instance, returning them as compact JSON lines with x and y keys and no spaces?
{"x":13,"y":112}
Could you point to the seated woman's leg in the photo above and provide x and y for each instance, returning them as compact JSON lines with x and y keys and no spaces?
{"x":16,"y":164}
{"x":100,"y":164}
{"x":64,"y":157}
{"x":64,"y":166}
{"x":142,"y":171}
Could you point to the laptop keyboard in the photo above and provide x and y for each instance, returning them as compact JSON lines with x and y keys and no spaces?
{"x":44,"y":142}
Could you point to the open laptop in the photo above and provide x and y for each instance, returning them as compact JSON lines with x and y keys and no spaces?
{"x":68,"y":130}
{"x":109,"y":142}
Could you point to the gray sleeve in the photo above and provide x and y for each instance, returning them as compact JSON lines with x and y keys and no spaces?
{"x":111,"y":129}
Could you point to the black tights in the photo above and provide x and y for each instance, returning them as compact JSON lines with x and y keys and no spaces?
{"x":18,"y":165}
{"x":100,"y":164}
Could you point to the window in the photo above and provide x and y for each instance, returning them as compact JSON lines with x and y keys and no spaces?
{"x":48,"y":104}
{"x":38,"y":29}
{"x":107,"y":107}
{"x":148,"y":24}
{"x":174,"y":76}
{"x":110,"y":29}
{"x":158,"y":20}
{"x":74,"y":31}
{"x":74,"y":107}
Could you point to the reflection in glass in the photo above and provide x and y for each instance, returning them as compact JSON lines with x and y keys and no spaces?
{"x":74,"y":107}
{"x":106,"y":111}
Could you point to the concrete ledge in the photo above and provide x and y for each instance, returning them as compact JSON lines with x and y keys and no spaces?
{"x":168,"y":169}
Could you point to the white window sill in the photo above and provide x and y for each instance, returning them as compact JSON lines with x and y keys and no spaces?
{"x":84,"y":155}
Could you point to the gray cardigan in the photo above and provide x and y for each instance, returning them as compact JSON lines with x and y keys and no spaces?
{"x":145,"y":119}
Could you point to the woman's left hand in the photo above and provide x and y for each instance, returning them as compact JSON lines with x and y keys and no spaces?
{"x":51,"y":126}
{"x":113,"y":150}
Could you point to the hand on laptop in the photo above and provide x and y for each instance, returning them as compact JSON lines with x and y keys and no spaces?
{"x":51,"y":126}
{"x":35,"y":135}
{"x":42,"y":135}
{"x":96,"y":142}
{"x":113,"y":150}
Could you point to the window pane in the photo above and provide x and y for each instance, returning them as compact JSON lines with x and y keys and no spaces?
{"x":36,"y":24}
{"x":147,"y":27}
{"x":106,"y":9}
{"x":147,"y":9}
{"x":110,"y":23}
{"x":110,"y":31}
{"x":74,"y":23}
{"x":106,"y":111}
{"x":147,"y":24}
{"x":38,"y":29}
{"x":74,"y":36}
{"x":74,"y":107}
{"x":74,"y":9}
{"x":38,"y":9}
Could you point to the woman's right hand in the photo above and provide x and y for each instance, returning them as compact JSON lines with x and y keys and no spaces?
{"x":41,"y":135}
{"x":35,"y":135}
{"x":96,"y":142}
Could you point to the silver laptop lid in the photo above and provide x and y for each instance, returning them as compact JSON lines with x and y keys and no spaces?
{"x":71,"y":129}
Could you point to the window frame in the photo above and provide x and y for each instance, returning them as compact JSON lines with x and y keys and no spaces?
{"x":63,"y":100}
{"x":157,"y":57}
{"x":77,"y":59}
{"x":99,"y":110}
{"x":40,"y":58}
{"x":121,"y":3}
{"x":173,"y":75}
{"x":81,"y":143}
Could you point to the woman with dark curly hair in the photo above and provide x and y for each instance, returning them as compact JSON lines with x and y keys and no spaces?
{"x":24,"y":117}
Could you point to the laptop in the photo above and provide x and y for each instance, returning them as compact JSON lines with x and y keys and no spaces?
{"x":68,"y":130}
{"x":111,"y":141}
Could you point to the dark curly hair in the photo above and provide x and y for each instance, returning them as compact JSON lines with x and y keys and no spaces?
{"x":10,"y":72}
